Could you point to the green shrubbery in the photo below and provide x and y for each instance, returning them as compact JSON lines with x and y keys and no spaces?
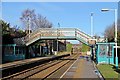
{"x":85,"y":48}
{"x":69,"y":47}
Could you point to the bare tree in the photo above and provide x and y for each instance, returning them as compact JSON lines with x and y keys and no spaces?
{"x":118,"y":25}
{"x":28,"y":16}
{"x":118,"y":38}
{"x":32,"y":21}
{"x":110,"y":32}
{"x":42,"y":22}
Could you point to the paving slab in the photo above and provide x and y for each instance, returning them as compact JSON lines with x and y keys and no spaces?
{"x":82,"y":68}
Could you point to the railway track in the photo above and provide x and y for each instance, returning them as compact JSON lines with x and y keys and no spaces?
{"x":42,"y":71}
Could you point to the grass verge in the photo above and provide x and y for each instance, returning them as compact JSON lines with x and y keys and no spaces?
{"x":108,"y":71}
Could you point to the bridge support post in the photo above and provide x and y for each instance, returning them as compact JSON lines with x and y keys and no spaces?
{"x":14,"y":48}
{"x":27,"y":52}
{"x":40,"y":52}
{"x":57,"y":46}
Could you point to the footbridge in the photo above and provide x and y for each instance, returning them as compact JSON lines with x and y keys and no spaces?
{"x":59,"y":34}
{"x":103,"y":50}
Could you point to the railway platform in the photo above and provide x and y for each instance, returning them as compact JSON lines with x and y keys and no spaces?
{"x":84,"y":68}
{"x":81,"y":68}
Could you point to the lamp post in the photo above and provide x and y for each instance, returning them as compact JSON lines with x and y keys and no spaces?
{"x":91,"y":24}
{"x":115,"y":10}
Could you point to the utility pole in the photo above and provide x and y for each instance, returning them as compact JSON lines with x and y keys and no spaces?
{"x":92,"y":24}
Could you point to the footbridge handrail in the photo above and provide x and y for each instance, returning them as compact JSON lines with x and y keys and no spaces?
{"x":57,"y":33}
{"x":86,"y":35}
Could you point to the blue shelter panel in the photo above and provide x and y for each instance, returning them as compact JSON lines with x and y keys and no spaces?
{"x":105,"y":53}
{"x":12,"y":52}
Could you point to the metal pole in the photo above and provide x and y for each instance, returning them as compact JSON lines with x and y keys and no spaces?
{"x":91,"y":24}
{"x":116,"y":38}
{"x":57,"y":37}
{"x":57,"y":40}
{"x":92,"y":34}
{"x":40,"y":50}
{"x":14,"y":48}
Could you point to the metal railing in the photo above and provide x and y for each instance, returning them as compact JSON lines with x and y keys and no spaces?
{"x":60,"y":33}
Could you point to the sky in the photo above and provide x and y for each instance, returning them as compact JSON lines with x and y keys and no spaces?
{"x":68,"y":14}
{"x":60,"y":0}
